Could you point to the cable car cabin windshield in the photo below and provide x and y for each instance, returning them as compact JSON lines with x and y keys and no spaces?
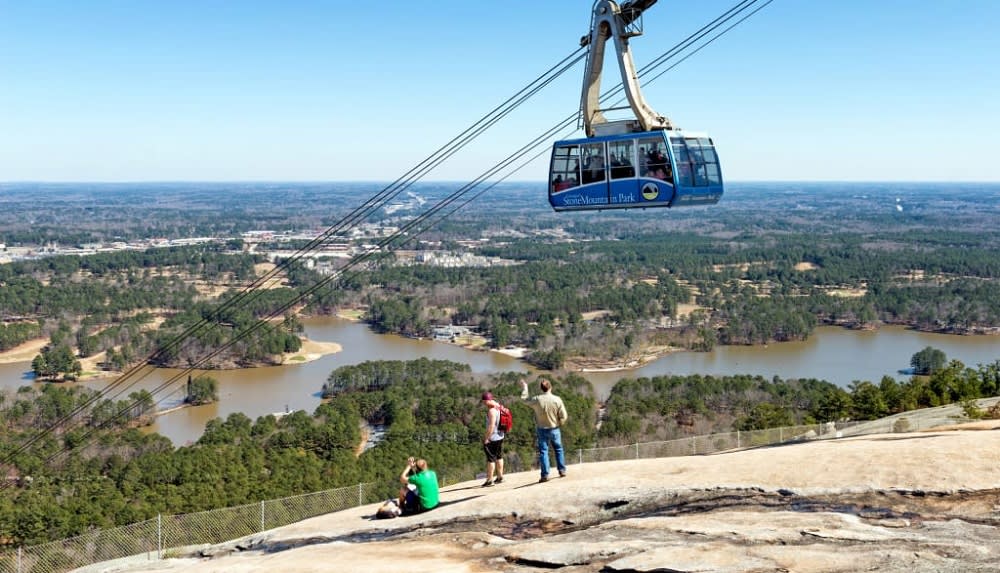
{"x":636,"y":170}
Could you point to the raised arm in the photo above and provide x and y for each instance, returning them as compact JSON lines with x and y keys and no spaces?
{"x":404,"y":478}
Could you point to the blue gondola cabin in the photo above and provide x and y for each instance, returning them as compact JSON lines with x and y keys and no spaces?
{"x":661,"y":168}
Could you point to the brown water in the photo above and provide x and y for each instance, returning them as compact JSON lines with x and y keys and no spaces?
{"x":834,"y":354}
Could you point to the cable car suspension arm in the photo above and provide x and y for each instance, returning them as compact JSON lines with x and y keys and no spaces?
{"x":620,"y":23}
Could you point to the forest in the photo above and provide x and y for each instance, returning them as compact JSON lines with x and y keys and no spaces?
{"x":751,"y":291}
{"x":107,"y":303}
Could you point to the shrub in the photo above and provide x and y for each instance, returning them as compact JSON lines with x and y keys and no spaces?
{"x":993,"y":413}
{"x":972,"y":410}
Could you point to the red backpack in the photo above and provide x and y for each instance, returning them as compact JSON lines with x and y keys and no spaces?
{"x":506,"y":423}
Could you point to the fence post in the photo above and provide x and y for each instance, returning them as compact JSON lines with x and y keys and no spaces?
{"x":19,"y":549}
{"x":262,"y":515}
{"x":360,"y":495}
{"x":738,"y":438}
{"x":637,"y":450}
{"x":781,"y":437}
{"x":580,"y":452}
{"x":159,"y":536}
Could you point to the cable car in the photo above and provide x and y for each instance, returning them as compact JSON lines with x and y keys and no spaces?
{"x":649,"y":169}
{"x":631,"y":163}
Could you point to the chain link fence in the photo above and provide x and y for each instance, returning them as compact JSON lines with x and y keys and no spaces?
{"x":707,"y":444}
{"x":149,"y":540}
{"x":714,"y":443}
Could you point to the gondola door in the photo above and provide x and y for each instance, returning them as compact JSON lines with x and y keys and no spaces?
{"x":623,"y":185}
{"x":594,"y":173}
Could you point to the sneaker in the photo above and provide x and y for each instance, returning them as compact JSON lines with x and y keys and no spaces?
{"x":562,"y":474}
{"x":544,"y":479}
{"x":498,"y":480}
{"x":488,"y":484}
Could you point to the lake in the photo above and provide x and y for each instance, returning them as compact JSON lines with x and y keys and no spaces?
{"x":834,"y":354}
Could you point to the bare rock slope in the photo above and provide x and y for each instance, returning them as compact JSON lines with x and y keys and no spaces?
{"x":915,"y":502}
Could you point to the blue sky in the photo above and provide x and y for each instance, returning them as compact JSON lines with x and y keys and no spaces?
{"x":870,"y":90}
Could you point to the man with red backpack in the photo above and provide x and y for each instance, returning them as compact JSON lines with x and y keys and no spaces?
{"x":493,"y":440}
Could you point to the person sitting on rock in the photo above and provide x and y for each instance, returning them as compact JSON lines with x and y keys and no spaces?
{"x":420,"y":487}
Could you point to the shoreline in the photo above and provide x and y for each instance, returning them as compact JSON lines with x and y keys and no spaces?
{"x":314,"y":350}
{"x":310,"y":351}
{"x":159,"y":413}
{"x":515,"y":352}
{"x":24,"y":352}
{"x":576,"y":365}
{"x":648,"y":355}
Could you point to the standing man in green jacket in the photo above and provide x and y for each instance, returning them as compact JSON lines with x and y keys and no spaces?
{"x":550,"y":414}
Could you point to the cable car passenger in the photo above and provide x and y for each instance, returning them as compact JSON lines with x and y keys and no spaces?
{"x":662,"y":172}
{"x":621,"y":168}
{"x":593,"y":170}
{"x":659,"y":165}
{"x":622,"y":156}
{"x":683,"y":160}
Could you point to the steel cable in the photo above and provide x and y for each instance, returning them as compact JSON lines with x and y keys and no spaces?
{"x":393,"y":190}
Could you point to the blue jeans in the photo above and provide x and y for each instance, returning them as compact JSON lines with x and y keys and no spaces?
{"x":546,"y":435}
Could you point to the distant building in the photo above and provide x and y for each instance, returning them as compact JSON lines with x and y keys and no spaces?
{"x":450,"y":332}
{"x":444,"y":259}
{"x":258,"y":235}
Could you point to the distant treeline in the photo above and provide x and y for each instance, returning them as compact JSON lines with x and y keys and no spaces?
{"x":16,"y":333}
{"x":668,"y":407}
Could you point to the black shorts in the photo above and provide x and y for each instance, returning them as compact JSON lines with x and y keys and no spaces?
{"x":411,"y":502}
{"x":494,"y":451}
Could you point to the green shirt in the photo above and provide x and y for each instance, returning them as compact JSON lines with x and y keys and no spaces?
{"x":427,"y":488}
